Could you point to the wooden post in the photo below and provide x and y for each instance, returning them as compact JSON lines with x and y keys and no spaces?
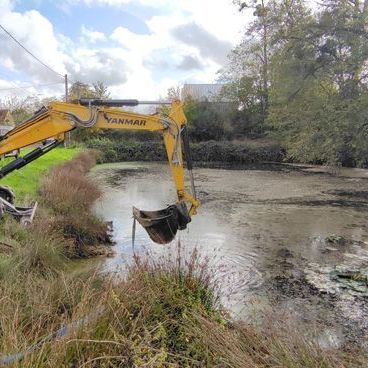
{"x":67,"y":135}
{"x":66,"y":87}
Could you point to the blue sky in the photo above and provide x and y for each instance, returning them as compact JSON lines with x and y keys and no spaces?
{"x":139,"y":48}
{"x":66,"y":18}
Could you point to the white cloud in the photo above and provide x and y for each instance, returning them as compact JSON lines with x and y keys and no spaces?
{"x":161,"y":50}
{"x":5,"y":5}
{"x":119,"y":3}
{"x":133,"y":65}
{"x":207,"y":44}
{"x":89,"y":65}
{"x":219,"y":17}
{"x":36,"y":33}
{"x":133,"y":41}
{"x":89,"y":35}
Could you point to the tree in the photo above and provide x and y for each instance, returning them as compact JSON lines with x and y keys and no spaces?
{"x":174,"y":93}
{"x":343,"y":35}
{"x":250,"y":72}
{"x":82,"y":90}
{"x":19,"y":107}
{"x":100,"y":90}
{"x":318,"y":108}
{"x":22,"y":108}
{"x":79,"y":90}
{"x":319,"y":87}
{"x":255,"y":51}
{"x":303,"y":76}
{"x":204,"y":122}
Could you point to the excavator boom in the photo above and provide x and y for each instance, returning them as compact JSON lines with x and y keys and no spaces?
{"x":58,"y":118}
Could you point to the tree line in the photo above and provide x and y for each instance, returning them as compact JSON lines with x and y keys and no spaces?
{"x":300,"y":75}
{"x":23,"y":107}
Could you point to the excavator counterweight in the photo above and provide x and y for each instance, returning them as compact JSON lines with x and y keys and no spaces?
{"x":58,"y":118}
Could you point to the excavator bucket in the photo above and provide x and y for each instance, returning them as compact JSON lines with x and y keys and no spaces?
{"x":163,"y":225}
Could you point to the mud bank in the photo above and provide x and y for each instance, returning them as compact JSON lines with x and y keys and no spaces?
{"x":320,"y":299}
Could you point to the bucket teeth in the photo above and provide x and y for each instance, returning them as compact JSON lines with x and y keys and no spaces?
{"x":163,"y":225}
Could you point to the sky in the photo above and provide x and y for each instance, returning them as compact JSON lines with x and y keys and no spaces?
{"x":138,"y":48}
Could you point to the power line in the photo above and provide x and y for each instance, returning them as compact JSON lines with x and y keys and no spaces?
{"x":12,"y":82}
{"x":29,"y":52}
{"x":29,"y":86}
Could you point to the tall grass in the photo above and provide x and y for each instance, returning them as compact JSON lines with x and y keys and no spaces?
{"x":64,"y":218}
{"x":69,"y":194}
{"x":165,"y":313}
{"x":66,"y":187}
{"x":38,"y":293}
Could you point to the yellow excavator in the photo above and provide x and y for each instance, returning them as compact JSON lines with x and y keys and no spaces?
{"x":52,"y":122}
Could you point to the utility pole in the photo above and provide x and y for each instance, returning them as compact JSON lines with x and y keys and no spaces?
{"x":66,"y":87}
{"x":67,"y":135}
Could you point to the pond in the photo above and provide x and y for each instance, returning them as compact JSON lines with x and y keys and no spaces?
{"x":280,"y":231}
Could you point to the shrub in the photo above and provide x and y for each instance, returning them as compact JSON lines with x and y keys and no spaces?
{"x":66,"y":187}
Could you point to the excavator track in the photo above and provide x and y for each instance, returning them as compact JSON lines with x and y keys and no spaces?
{"x":7,"y":194}
{"x":24,"y":215}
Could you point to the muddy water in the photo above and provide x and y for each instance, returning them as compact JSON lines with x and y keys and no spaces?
{"x":268,"y":226}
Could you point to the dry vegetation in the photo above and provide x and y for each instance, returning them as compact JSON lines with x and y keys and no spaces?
{"x":37,"y":291}
{"x":69,"y":194}
{"x":65,"y":225}
{"x":161,"y":314}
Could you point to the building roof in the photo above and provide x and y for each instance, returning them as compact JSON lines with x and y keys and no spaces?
{"x":201,"y":91}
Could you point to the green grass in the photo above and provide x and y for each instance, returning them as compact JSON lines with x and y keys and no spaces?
{"x":25,"y":182}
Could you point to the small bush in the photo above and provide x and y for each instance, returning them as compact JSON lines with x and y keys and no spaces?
{"x":66,"y":188}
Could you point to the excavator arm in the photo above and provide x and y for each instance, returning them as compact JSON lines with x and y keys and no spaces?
{"x":58,"y":118}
